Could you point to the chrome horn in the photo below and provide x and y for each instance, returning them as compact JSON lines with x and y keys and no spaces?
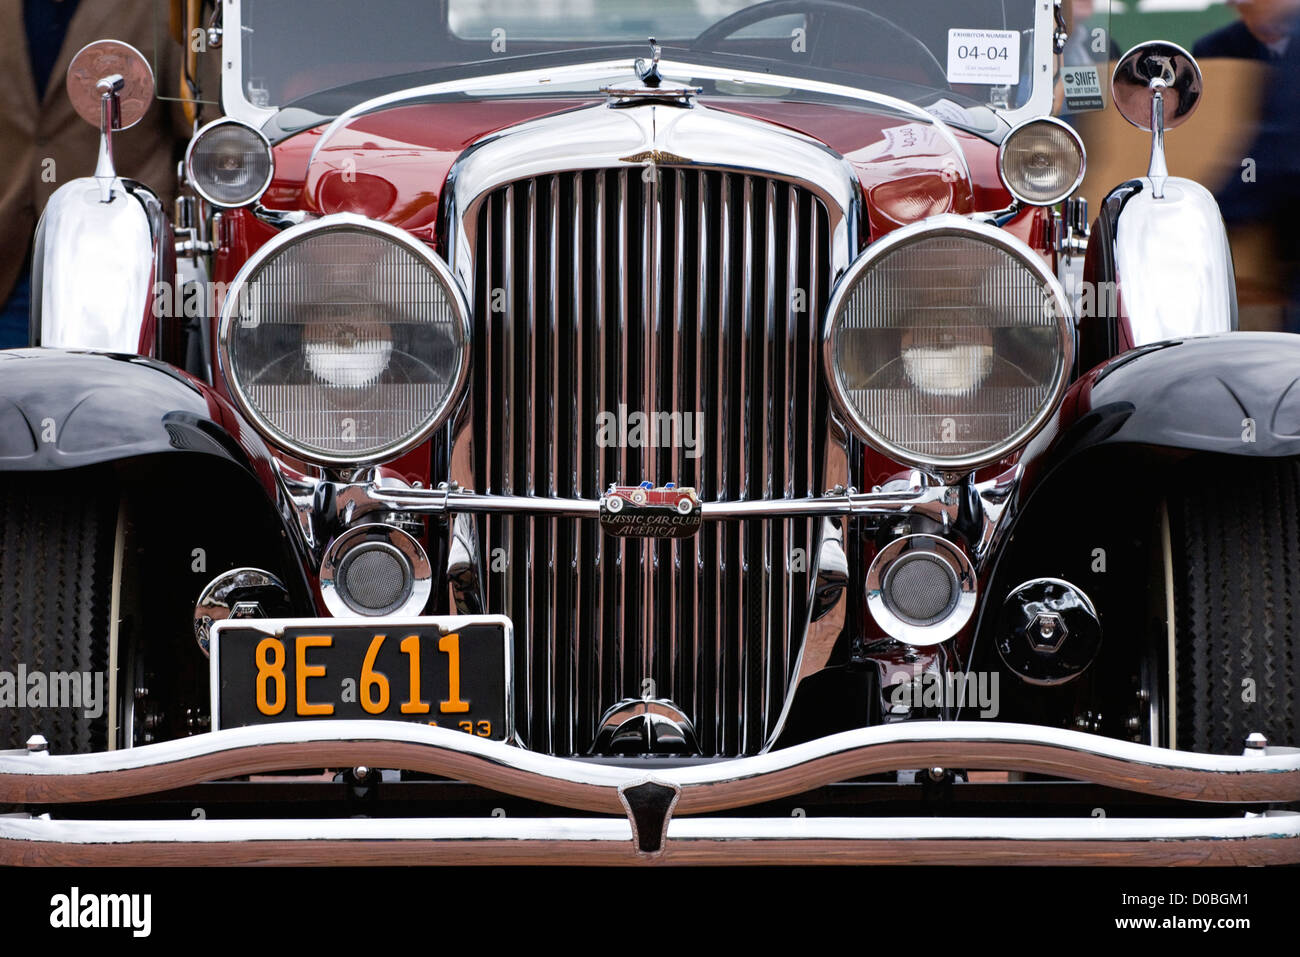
{"x":1156,"y":87}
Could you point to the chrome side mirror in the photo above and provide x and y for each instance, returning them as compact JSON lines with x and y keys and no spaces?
{"x":1157,"y":87}
{"x":111,"y":85}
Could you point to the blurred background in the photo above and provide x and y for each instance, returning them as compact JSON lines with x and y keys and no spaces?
{"x":1229,"y":144}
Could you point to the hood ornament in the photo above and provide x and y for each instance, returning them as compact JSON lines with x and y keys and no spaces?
{"x":651,"y":88}
{"x":648,"y":73}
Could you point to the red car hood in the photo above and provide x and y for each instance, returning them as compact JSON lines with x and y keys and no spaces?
{"x":392,"y":165}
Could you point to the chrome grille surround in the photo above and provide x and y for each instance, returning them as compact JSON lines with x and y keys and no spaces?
{"x":700,"y":320}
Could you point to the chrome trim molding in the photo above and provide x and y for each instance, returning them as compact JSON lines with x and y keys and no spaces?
{"x":233,"y":101}
{"x":455,"y":300}
{"x":1173,"y":263}
{"x":648,"y":137}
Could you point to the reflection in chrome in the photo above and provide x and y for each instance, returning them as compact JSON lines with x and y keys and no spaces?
{"x":397,"y":578}
{"x":1173,"y":263}
{"x":238,"y":593}
{"x":92,"y":266}
{"x":1272,"y":774}
{"x":921,"y":589}
{"x":1253,"y":839}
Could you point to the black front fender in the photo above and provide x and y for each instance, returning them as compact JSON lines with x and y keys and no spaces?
{"x":172,"y":437}
{"x":1231,"y":394}
{"x":63,"y":409}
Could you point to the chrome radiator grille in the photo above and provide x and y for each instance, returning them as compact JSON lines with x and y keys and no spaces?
{"x":672,"y":291}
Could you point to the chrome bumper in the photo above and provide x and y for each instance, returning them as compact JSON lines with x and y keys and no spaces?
{"x":650,"y":809}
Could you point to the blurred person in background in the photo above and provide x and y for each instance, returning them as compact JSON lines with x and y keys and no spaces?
{"x":44,"y":143}
{"x":1262,"y":32}
{"x":1266,"y":190}
{"x":1081,"y":45}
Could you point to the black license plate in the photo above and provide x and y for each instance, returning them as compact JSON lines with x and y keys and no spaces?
{"x":449,"y":672}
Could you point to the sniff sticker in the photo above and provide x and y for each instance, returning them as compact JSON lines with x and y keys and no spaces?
{"x":1082,"y":88}
{"x":990,"y":57}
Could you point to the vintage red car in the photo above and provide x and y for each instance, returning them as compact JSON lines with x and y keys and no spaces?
{"x":313,"y":474}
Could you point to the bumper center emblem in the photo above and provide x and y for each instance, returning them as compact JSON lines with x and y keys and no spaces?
{"x":644,"y":511}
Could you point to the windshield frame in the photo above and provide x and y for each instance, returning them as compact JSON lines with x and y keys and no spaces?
{"x":236,"y":104}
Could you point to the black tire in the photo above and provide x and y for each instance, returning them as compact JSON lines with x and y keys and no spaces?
{"x":57,"y":537}
{"x":1235,"y":537}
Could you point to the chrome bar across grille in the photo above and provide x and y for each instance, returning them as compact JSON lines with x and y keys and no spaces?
{"x":676,"y":292}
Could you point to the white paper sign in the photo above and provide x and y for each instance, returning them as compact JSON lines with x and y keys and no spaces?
{"x":984,"y":56}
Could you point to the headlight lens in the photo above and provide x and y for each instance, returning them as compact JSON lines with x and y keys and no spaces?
{"x":345,"y":340}
{"x":1042,"y":162}
{"x":950,"y":343}
{"x":229,"y":163}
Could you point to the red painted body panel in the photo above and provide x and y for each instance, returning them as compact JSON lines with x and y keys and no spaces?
{"x":393,"y":165}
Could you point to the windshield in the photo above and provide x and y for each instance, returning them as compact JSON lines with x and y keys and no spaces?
{"x":991,"y":53}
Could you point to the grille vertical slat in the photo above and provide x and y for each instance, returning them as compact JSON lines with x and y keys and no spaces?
{"x":579,"y":462}
{"x":611,"y":292}
{"x":650,"y":399}
{"x":624,"y":371}
{"x":551,"y":454}
{"x":702,"y":592}
{"x":723,"y":438}
{"x":680,"y":621}
{"x":601,"y":545}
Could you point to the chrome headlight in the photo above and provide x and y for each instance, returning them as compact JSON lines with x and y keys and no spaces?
{"x":345,"y":340}
{"x":1042,"y":161}
{"x":229,"y":163}
{"x":949,"y":344}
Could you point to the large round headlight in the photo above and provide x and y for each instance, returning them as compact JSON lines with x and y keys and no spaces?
{"x":345,"y":340}
{"x":229,"y":163}
{"x":950,"y":343}
{"x":1042,"y":161}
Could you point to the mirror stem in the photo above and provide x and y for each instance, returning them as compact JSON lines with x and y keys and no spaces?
{"x":1158,"y":171}
{"x":110,"y":119}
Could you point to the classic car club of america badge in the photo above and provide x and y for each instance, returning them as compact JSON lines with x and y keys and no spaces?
{"x":644,"y":511}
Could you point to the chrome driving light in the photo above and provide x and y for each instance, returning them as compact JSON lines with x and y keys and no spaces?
{"x":373,"y":570}
{"x":345,"y":341}
{"x":1042,"y":161}
{"x":921,"y":589}
{"x":949,"y":345}
{"x":229,"y":163}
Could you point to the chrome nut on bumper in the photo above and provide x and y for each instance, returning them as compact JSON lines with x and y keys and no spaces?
{"x":652,"y":810}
